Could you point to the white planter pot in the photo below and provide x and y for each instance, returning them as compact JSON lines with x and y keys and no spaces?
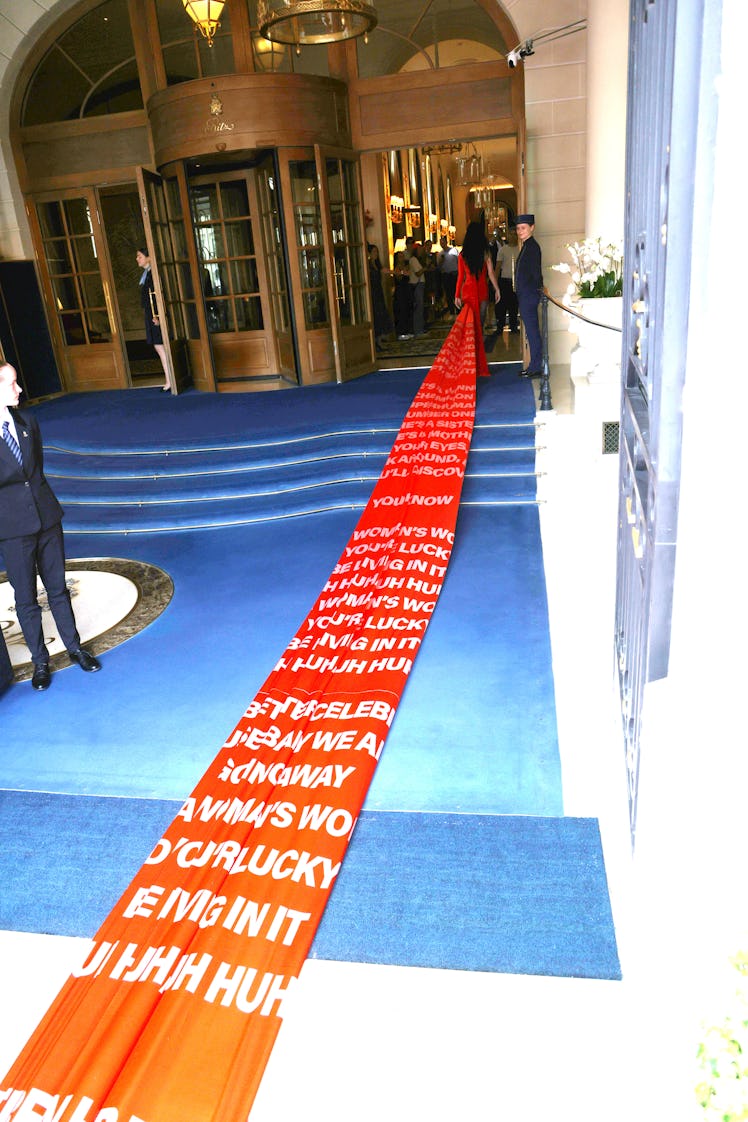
{"x":597,"y":355}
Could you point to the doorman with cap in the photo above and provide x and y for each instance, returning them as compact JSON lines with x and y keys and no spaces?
{"x":528,"y":284}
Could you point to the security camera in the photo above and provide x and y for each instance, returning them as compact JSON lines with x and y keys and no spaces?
{"x":522,"y":51}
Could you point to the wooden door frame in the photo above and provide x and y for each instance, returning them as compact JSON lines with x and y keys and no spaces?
{"x":207,"y":375}
{"x":63,"y":350}
{"x":302,"y":333}
{"x":321,"y":152}
{"x":145,"y":176}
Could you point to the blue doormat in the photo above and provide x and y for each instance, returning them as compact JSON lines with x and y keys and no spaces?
{"x":514,"y":895}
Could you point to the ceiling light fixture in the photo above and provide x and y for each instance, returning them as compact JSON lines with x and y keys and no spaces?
{"x":306,"y":22}
{"x":206,"y":16}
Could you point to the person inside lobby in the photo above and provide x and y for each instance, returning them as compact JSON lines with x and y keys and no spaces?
{"x":153,"y":333}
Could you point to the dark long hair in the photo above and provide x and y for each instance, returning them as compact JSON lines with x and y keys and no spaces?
{"x":474,"y":247}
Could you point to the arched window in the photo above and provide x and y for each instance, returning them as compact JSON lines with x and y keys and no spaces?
{"x":413,"y":35}
{"x":89,"y":72}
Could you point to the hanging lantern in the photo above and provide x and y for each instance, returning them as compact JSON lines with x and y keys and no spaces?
{"x":305,"y":22}
{"x":206,"y":15}
{"x":469,"y":167}
{"x":268,"y":55}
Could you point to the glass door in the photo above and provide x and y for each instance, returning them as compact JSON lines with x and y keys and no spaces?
{"x":244,"y":289}
{"x":173,"y":286}
{"x":77,"y":285}
{"x":307,"y":267}
{"x":347,"y":281}
{"x":273,"y":245}
{"x":327,"y":264}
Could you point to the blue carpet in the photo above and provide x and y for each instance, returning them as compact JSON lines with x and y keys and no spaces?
{"x":473,"y":892}
{"x":461,"y":892}
{"x":151,"y":722}
{"x":461,"y":857}
{"x":126,"y":419}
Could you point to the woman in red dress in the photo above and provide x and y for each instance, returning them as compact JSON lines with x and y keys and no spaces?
{"x":474,"y":269}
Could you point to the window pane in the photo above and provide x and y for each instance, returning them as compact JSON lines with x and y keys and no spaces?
{"x":50,"y":220}
{"x":204,"y":200}
{"x":84,"y":254}
{"x":184,"y":274}
{"x":66,"y":294}
{"x":218,"y":278}
{"x":210,"y":242}
{"x":334,"y":181}
{"x":118,"y":92}
{"x":239,"y":241}
{"x":191,"y":322}
{"x":338,"y":227}
{"x":58,"y":257}
{"x":72,"y":329}
{"x":235,"y":200}
{"x":303,"y":181}
{"x":359,"y":304}
{"x":56,"y":91}
{"x":312,"y":266}
{"x":356,"y":265}
{"x":248,"y":314}
{"x":98,"y":327}
{"x":93,"y":291}
{"x":244,"y":276}
{"x":218,"y":59}
{"x":218,"y":316}
{"x":180,"y":61}
{"x":315,"y":309}
{"x":78,"y":216}
{"x":353,"y":225}
{"x":90,"y":69}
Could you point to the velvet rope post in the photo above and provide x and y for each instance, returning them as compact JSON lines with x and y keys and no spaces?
{"x":174,"y":1014}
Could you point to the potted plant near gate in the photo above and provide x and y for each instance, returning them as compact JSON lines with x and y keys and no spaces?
{"x":595,"y":291}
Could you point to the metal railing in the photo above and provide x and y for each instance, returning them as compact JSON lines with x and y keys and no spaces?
{"x":545,"y":377}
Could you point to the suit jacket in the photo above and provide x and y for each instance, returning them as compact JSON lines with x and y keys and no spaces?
{"x":27,"y":502}
{"x":528,"y":276}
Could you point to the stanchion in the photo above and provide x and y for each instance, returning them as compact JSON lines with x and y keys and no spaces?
{"x":545,"y":381}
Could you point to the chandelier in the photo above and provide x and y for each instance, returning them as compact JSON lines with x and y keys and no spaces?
{"x":206,"y":15}
{"x":446,"y":148}
{"x":470,"y":167}
{"x":305,"y":22}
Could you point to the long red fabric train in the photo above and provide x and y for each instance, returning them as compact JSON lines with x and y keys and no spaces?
{"x":175,"y":1012}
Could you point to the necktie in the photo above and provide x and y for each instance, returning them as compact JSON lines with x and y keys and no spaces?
{"x":12,"y":443}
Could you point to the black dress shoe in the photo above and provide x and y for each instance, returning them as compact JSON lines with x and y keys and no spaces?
{"x":85,"y":660}
{"x":531,"y":374}
{"x":42,"y":676}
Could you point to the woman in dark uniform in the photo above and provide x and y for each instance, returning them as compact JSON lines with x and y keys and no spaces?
{"x":152,"y":325}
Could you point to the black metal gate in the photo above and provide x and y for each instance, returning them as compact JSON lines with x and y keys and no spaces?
{"x":660,"y":239}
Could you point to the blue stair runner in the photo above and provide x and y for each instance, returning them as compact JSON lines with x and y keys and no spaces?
{"x":200,"y":486}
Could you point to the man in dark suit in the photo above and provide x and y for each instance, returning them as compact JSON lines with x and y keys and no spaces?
{"x":31,"y":539}
{"x":528,"y":284}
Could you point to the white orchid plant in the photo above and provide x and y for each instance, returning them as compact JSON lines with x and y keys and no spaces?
{"x":596,"y":270}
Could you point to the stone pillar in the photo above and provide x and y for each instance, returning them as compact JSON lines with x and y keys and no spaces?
{"x":607,"y":77}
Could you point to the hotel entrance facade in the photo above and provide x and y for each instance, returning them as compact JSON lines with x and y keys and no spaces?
{"x":254,"y":174}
